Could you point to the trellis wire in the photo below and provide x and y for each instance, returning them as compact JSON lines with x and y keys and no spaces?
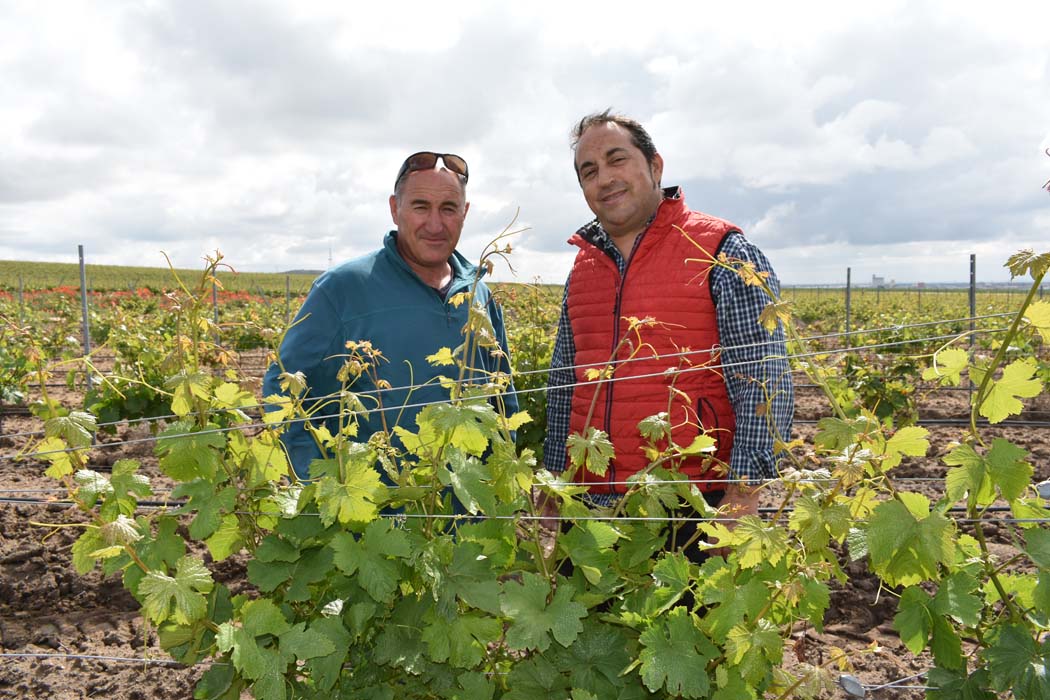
{"x":384,"y":409}
{"x":520,"y":516}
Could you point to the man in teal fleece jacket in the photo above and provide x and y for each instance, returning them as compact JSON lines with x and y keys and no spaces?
{"x":399,"y":299}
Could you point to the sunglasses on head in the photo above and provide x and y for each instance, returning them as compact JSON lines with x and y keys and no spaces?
{"x":427,"y":160}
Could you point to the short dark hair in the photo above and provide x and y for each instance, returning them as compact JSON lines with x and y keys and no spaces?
{"x":639,"y":136}
{"x":399,"y":186}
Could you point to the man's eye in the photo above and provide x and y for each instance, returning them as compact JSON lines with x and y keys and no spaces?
{"x":588,"y":174}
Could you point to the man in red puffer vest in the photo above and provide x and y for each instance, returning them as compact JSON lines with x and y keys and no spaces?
{"x":646,"y":260}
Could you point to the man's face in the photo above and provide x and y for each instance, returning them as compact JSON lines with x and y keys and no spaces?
{"x":429,"y":218}
{"x":621,"y":188}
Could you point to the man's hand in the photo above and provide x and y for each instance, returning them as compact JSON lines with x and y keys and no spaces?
{"x":546,"y":507}
{"x":740,"y":500}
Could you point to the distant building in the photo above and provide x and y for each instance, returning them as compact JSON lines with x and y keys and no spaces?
{"x":877,"y":281}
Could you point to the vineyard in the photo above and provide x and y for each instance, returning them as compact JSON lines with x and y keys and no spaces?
{"x":151,"y":544}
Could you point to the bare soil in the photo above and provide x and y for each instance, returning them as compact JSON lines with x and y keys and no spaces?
{"x":55,"y":617}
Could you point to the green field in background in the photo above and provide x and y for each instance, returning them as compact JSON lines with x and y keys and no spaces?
{"x":101,"y":278}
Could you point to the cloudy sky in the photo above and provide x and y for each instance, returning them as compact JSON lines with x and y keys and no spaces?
{"x":895,"y":138}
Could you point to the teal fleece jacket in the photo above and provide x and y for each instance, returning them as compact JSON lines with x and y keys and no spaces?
{"x":379,"y":298}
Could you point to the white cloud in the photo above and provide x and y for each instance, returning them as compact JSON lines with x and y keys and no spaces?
{"x":878,"y":134}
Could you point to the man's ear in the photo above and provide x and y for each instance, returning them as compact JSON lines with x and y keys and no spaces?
{"x":393,"y":209}
{"x":466,"y":208}
{"x":657,"y":168}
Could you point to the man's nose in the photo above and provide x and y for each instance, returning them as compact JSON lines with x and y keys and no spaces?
{"x":434,"y":223}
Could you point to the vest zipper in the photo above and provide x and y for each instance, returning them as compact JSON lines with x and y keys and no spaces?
{"x":611,"y":472}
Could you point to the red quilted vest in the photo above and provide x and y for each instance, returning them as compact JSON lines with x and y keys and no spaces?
{"x":666,"y":279}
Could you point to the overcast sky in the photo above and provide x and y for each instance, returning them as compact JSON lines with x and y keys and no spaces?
{"x":895,"y":138}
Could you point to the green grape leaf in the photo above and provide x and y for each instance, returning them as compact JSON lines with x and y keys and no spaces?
{"x":314,"y":565}
{"x":265,"y":460}
{"x":163,"y":550}
{"x":230,"y":395}
{"x":536,"y":678}
{"x":672,"y":571}
{"x":946,"y":645}
{"x":125,"y":480}
{"x":1015,"y":663}
{"x":512,"y":472}
{"x":814,"y":602}
{"x":1031,"y":510}
{"x":227,"y":539}
{"x":910,"y":441}
{"x":808,"y":520}
{"x":955,"y":599}
{"x":467,"y":425}
{"x":1037,"y":547}
{"x":752,"y":649}
{"x":1008,"y":468}
{"x":1003,"y":397}
{"x":462,"y":640}
{"x":471,"y":578}
{"x":305,"y":643}
{"x":774,"y":312}
{"x":121,"y":531}
{"x":957,"y":685}
{"x":589,"y":545}
{"x":355,"y":499}
{"x":675,"y":655}
{"x":180,"y":597}
{"x":55,"y":451}
{"x":89,"y":541}
{"x":533,"y":621}
{"x":215,"y":682}
{"x":326,"y":670}
{"x":91,"y":486}
{"x":276,"y":548}
{"x":593,"y":450}
{"x":472,"y":482}
{"x":905,"y":549}
{"x":75,"y":429}
{"x":210,"y":505}
{"x":1027,"y":261}
{"x":186,"y":387}
{"x":517,"y":420}
{"x":263,"y":665}
{"x":969,"y":476}
{"x":836,"y":434}
{"x":595,"y":659}
{"x":1038,"y":317}
{"x":476,"y":686}
{"x":655,"y":428}
{"x":267,"y":576}
{"x":947,"y":367}
{"x":186,"y":454}
{"x":373,"y":557}
{"x":263,"y":617}
{"x":759,"y":542}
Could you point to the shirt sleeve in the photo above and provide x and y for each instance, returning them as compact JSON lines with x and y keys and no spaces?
{"x":755,"y":365}
{"x":509,"y":398}
{"x":307,"y":342}
{"x":560,"y":385}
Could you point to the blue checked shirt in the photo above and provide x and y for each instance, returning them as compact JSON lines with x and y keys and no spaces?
{"x":751,"y":358}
